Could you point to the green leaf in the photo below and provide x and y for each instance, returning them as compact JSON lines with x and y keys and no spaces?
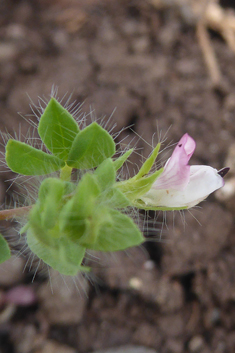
{"x":36,"y":225}
{"x":85,"y":196}
{"x":117,"y":199}
{"x":57,"y":129}
{"x":114,"y":198}
{"x":5,"y":252}
{"x":74,"y":215}
{"x":27,"y":160}
{"x":50,"y":196}
{"x":44,"y":216}
{"x":111,"y":196}
{"x":133,"y":189}
{"x":118,"y":163}
{"x":64,"y":256}
{"x":106,"y":174}
{"x":146,"y":167}
{"x":118,"y":233}
{"x":91,"y":147}
{"x":71,"y":223}
{"x":53,"y":187}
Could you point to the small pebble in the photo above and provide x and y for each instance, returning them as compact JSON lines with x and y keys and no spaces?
{"x":196,"y":344}
{"x":149,"y":265}
{"x":15,"y":31}
{"x":135,"y":283}
{"x":215,"y":316}
{"x":8,"y":51}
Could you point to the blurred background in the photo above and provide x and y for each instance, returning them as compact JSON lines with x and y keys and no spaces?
{"x":166,"y":67}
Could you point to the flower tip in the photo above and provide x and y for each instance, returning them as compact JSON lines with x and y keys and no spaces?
{"x":222,"y":172}
{"x":188,"y":144}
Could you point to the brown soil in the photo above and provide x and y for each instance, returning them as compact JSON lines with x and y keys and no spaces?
{"x":177,"y":295}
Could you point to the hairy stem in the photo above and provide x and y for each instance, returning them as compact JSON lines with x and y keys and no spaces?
{"x":14,"y":212}
{"x":65,"y":173}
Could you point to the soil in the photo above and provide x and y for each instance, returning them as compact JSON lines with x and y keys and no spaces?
{"x":176,"y":294}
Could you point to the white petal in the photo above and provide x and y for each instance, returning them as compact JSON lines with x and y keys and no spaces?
{"x":203,"y":181}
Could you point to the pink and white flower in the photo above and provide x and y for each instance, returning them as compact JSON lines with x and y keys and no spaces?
{"x":182,"y":185}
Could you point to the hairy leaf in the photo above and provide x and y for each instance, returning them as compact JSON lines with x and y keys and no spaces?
{"x":64,"y":256}
{"x":118,"y":163}
{"x":57,"y":129}
{"x":106,"y":174}
{"x":27,"y":160}
{"x":119,"y":232}
{"x":146,"y":167}
{"x":91,"y":147}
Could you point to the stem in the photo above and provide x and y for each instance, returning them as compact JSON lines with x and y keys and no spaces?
{"x":65,"y":173}
{"x":14,"y":212}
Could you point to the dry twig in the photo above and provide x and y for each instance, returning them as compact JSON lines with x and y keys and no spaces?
{"x":206,"y":14}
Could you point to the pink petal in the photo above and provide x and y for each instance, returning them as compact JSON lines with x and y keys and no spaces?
{"x":177,"y":171}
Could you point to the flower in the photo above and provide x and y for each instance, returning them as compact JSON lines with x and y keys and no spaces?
{"x":182,"y":185}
